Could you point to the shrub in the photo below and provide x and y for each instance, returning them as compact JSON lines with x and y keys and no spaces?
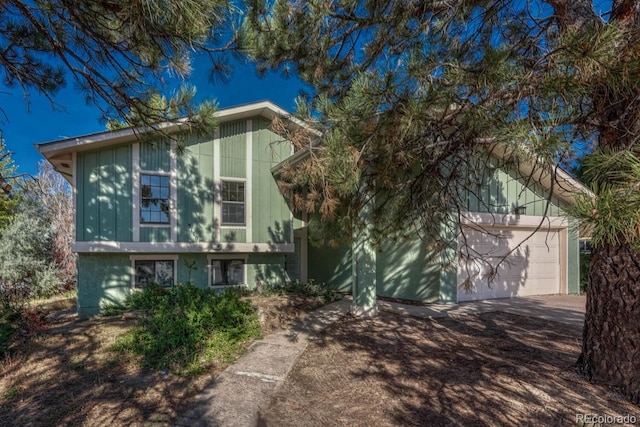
{"x":310,"y":289}
{"x":184,"y":328}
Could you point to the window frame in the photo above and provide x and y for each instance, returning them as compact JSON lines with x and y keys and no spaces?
{"x":244,"y":203}
{"x":153,"y":258}
{"x":169,"y":215}
{"x":228,"y":257}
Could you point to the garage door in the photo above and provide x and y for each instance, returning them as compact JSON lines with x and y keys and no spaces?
{"x":531,"y":269}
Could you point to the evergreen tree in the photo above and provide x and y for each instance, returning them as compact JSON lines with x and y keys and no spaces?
{"x":119,"y":53}
{"x":410,"y":96}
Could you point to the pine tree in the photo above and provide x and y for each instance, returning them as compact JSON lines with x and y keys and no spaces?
{"x":409,"y":95}
{"x":117,"y":52}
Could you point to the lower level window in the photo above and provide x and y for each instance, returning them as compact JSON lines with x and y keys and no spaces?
{"x":226,"y":272}
{"x":150,"y":271}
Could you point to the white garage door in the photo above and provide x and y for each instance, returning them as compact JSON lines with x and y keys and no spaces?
{"x":532,"y":269}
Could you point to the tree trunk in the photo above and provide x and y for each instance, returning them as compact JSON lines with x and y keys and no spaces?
{"x":611,"y":335}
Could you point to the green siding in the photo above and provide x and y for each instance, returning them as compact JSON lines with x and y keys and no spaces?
{"x":406,"y":269}
{"x":233,"y":235}
{"x":103,"y":279}
{"x":195,"y":192}
{"x":331,"y":265}
{"x":155,"y":234}
{"x":198,"y":276}
{"x":233,"y":149}
{"x":155,"y":156}
{"x":103,"y":199}
{"x":265,"y":268}
{"x":501,"y":190}
{"x":271,"y":221}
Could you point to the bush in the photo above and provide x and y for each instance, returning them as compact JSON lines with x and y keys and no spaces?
{"x":18,"y":323}
{"x":184,"y":328}
{"x":27,"y":267}
{"x":310,"y":289}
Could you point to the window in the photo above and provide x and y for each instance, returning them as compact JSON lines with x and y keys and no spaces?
{"x":160,"y":272}
{"x":233,"y":199}
{"x":227,"y":272}
{"x":154,"y":199}
{"x":585,"y":246}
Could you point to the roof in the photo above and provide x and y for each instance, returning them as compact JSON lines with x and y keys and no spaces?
{"x":60,"y":152}
{"x":563,"y":185}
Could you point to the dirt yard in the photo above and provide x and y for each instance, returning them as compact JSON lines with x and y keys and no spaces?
{"x":494,"y":369}
{"x":68,"y":376}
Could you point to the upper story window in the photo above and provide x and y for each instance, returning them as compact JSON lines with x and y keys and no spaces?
{"x":154,"y":199}
{"x":233,"y":203}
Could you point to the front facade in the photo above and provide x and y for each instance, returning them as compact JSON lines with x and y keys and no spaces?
{"x":207,"y":210}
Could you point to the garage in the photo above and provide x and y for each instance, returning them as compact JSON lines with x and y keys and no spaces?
{"x":528,"y":260}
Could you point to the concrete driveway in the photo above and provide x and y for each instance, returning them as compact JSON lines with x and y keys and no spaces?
{"x":566,"y":309}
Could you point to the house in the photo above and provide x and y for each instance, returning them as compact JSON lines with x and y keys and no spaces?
{"x":208,"y":211}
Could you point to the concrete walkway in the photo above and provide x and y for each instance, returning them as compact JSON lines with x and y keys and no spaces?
{"x":244,"y":388}
{"x":237,"y":396}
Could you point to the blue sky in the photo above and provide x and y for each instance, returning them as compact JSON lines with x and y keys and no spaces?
{"x":25,"y":125}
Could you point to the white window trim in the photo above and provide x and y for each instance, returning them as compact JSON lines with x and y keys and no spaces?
{"x":243,"y":257}
{"x":246,"y":204}
{"x":173,"y":192}
{"x":158,"y":257}
{"x":171,"y":200}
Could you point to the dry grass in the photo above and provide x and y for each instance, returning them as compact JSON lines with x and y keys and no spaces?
{"x":68,"y":376}
{"x":487,"y":370}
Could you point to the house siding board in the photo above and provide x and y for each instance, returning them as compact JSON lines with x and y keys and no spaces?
{"x":198,"y":276}
{"x":105,"y":279}
{"x":233,"y":235}
{"x":233,"y":149}
{"x":195,"y":210}
{"x":103,"y":199}
{"x":272,"y":218}
{"x":331,"y":265}
{"x":155,"y":234}
{"x":155,"y":156}
{"x":408,"y":270}
{"x":265,"y":268}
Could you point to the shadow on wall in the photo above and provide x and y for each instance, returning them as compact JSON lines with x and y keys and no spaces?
{"x":196,"y":193}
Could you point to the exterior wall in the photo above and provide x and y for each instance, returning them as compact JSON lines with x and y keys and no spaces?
{"x":407,"y":270}
{"x":103,"y":279}
{"x":272,"y":218}
{"x":246,"y":150}
{"x":103,"y":196}
{"x":331,"y":265}
{"x":107,"y":184}
{"x":106,"y":279}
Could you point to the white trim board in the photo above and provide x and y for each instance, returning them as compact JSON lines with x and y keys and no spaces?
{"x":173,"y":247}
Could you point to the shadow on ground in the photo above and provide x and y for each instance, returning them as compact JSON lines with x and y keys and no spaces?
{"x":479,"y":370}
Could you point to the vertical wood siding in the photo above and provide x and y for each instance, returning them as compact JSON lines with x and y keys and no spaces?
{"x":104,"y":195}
